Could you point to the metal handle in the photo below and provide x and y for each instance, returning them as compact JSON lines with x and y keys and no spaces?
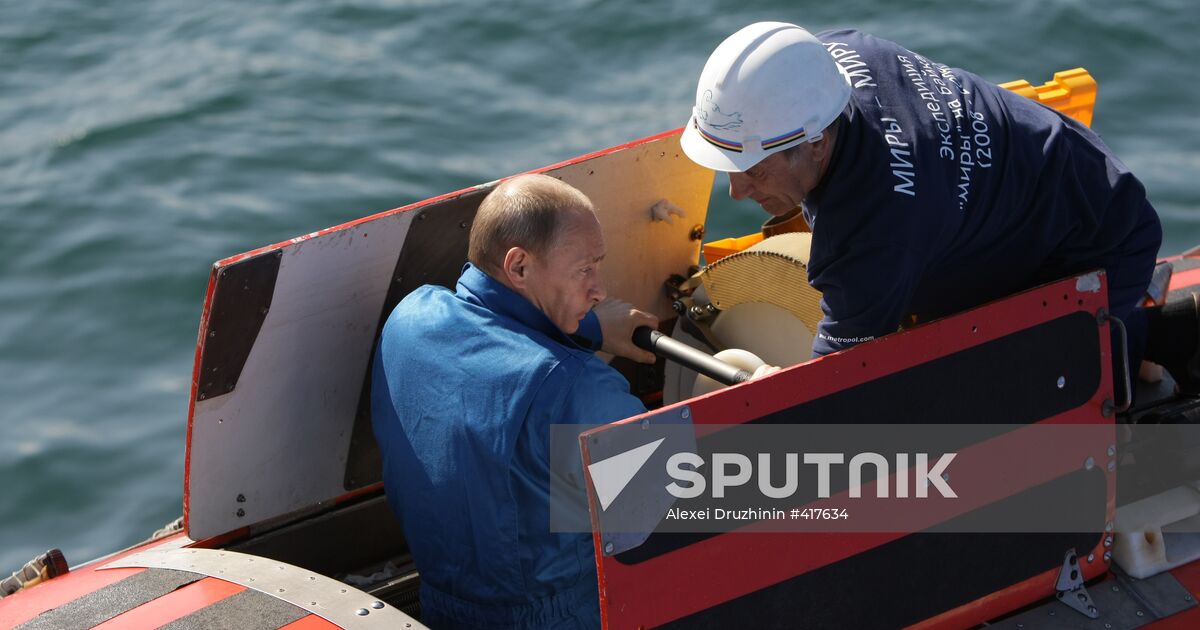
{"x":662,"y":345}
{"x":1105,"y":316}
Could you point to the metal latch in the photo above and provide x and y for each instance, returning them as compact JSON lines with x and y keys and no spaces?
{"x":1071,"y":590}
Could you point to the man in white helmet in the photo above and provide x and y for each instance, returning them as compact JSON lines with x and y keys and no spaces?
{"x":928,"y":189}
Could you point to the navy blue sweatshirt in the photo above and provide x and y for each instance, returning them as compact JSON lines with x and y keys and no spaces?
{"x":945,"y":191}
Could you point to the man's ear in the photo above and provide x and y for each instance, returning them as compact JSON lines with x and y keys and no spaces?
{"x":821,"y":149}
{"x":516,"y":267}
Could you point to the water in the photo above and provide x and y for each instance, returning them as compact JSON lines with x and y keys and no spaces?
{"x":141,"y":141}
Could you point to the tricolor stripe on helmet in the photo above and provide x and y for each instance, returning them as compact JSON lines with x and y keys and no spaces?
{"x":737,"y":147}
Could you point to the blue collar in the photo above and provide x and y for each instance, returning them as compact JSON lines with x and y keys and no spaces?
{"x":475,"y":285}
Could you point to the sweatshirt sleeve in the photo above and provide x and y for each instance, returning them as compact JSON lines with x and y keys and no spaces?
{"x":865,"y":294}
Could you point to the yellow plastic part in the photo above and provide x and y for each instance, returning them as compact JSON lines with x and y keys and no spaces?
{"x":1071,"y":92}
{"x":717,"y":250}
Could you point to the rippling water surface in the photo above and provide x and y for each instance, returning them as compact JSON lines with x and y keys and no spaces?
{"x":141,"y":141}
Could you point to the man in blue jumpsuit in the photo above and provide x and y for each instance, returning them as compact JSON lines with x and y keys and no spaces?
{"x":466,"y":385}
{"x":928,"y":189}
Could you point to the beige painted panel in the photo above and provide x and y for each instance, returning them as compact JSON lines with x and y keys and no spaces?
{"x":624,"y":185}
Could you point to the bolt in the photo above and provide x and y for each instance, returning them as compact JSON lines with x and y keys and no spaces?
{"x":1107,"y":556}
{"x":1112,"y":465}
{"x":1187,"y":598}
{"x":241,"y":512}
{"x":1107,"y":408}
{"x":608,"y":547}
{"x":1091,"y":558}
{"x":1108,"y":625}
{"x":1141,"y":614}
{"x":1116,"y":588}
{"x":697,"y":233}
{"x":1108,"y":527}
{"x":1089,"y":463}
{"x":686,"y":413}
{"x":1062,"y":382}
{"x":241,"y":498}
{"x":1112,"y":450}
{"x":212,"y":333}
{"x":1108,"y":541}
{"x":363,"y":612}
{"x":462,"y":224}
{"x":376,"y":604}
{"x":645,"y":423}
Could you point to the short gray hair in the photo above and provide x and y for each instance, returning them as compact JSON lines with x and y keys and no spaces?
{"x":525,"y":211}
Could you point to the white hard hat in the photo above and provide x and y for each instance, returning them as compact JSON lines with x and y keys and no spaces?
{"x":768,"y":87}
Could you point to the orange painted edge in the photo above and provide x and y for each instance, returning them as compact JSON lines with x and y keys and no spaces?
{"x":81,"y":580}
{"x":1185,"y":279}
{"x":175,"y":605}
{"x":311,"y":622}
{"x":24,"y":605}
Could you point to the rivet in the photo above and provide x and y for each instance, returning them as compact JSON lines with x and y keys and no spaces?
{"x":1051,"y":613}
{"x":1112,"y":465}
{"x":645,"y":423}
{"x":1091,"y":558}
{"x":1107,"y":556}
{"x":1108,"y":541}
{"x":462,"y":224}
{"x":1112,"y":450}
{"x":1141,"y":614}
{"x":241,"y":498}
{"x":312,"y":578}
{"x":1187,"y":598}
{"x":281,"y":590}
{"x":376,"y":604}
{"x":697,"y":232}
{"x":1108,"y":527}
{"x":241,"y":512}
{"x":686,"y":413}
{"x":1062,"y":382}
{"x":1116,"y":588}
{"x":608,"y":547}
{"x":362,"y":612}
{"x":1089,"y":463}
{"x":421,"y":216}
{"x":212,"y":333}
{"x":1108,"y":625}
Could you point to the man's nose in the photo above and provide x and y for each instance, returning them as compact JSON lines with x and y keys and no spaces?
{"x":739,"y":185}
{"x":597,"y":292}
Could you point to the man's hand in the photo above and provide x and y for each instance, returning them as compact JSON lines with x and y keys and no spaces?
{"x":618,"y":319}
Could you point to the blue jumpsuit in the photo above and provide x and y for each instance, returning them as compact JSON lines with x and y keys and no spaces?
{"x":946,"y":191}
{"x":465,"y":387}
